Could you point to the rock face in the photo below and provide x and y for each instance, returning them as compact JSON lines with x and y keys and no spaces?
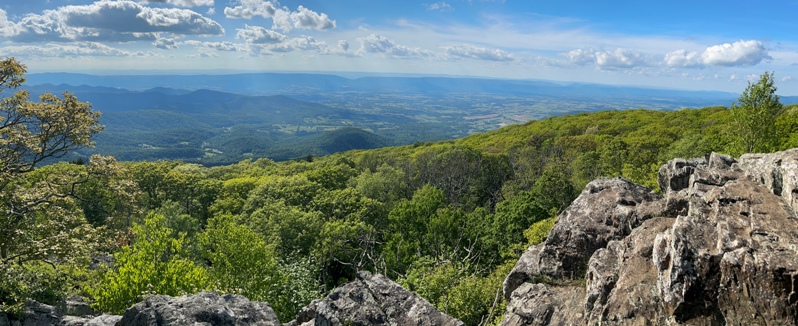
{"x":372,"y":300}
{"x":720,"y":248}
{"x":206,"y":308}
{"x":72,"y":312}
{"x":608,"y":209}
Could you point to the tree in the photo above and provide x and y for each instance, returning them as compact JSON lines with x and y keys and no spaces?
{"x":31,"y":132}
{"x":156,"y":263}
{"x":754,"y":114}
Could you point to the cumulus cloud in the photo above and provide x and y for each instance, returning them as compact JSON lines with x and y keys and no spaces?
{"x":283,"y":18}
{"x":620,"y":58}
{"x":259,"y":35}
{"x":343,"y":45}
{"x":440,"y":6}
{"x":740,"y":53}
{"x":580,"y":57}
{"x":376,"y":43}
{"x":7,"y":27}
{"x":77,"y":49}
{"x":220,"y":46}
{"x":246,"y":9}
{"x":121,"y":21}
{"x":182,"y":3}
{"x":303,"y":18}
{"x":305,"y":43}
{"x":684,"y":59}
{"x":476,"y":52}
{"x":166,"y":43}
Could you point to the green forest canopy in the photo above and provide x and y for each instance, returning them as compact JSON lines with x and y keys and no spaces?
{"x":447,"y":220}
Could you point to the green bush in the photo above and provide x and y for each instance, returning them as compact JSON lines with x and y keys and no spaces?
{"x":156,"y":263}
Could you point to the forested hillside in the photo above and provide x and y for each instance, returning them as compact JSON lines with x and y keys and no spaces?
{"x":446,"y":220}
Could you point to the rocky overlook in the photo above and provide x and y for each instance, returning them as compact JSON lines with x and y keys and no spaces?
{"x":720,"y":247}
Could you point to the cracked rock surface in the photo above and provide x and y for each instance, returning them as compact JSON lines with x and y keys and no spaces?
{"x":719,"y":248}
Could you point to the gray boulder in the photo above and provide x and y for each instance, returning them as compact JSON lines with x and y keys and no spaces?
{"x":608,"y":209}
{"x":35,"y":314}
{"x":206,"y":308}
{"x":721,"y":249}
{"x":541,"y":304}
{"x":373,"y":299}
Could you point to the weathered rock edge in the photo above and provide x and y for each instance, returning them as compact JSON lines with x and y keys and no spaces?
{"x":373,"y":299}
{"x":720,"y":248}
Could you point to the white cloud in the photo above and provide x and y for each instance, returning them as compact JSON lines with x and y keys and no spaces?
{"x":580,"y":57}
{"x":246,"y":9}
{"x":786,"y":78}
{"x":182,"y":3}
{"x":440,"y":6}
{"x":166,"y":43}
{"x":259,"y":35}
{"x":343,"y":45}
{"x":376,"y":43}
{"x":619,"y":58}
{"x":211,"y":11}
{"x":303,"y":18}
{"x":106,"y":20}
{"x":740,"y":53}
{"x":220,"y":46}
{"x":203,"y":54}
{"x":307,"y":43}
{"x":7,"y":27}
{"x":476,"y":52}
{"x":683,"y":59}
{"x":54,"y":50}
{"x":282,"y":18}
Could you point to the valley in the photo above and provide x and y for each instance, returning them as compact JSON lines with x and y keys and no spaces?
{"x":223,"y":119}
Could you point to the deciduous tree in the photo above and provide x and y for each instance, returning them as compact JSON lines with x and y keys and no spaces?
{"x":754,"y":114}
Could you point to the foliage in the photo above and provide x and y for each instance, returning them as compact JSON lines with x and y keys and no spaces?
{"x":39,"y":217}
{"x":240,"y":261}
{"x":446,"y":219}
{"x":538,"y":232}
{"x":156,"y":263}
{"x":755,"y":113}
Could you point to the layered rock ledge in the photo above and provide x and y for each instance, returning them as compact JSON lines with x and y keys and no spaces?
{"x":720,"y":248}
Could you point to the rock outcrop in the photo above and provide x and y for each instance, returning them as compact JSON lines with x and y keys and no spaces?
{"x":608,"y":209}
{"x":206,"y":308}
{"x":720,"y":248}
{"x":372,"y":299}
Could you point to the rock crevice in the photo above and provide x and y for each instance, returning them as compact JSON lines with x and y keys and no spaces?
{"x":720,"y":247}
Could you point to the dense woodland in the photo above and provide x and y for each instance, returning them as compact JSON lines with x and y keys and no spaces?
{"x":447,"y":220}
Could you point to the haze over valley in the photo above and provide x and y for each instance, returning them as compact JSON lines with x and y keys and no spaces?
{"x":222,"y":119}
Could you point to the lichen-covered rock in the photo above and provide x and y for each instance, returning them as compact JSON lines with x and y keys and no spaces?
{"x":733,"y":257}
{"x":35,"y":314}
{"x":778,"y":172}
{"x":75,"y":306}
{"x":723,"y":251}
{"x":541,"y":304}
{"x":206,"y":308}
{"x":623,"y":273}
{"x":373,"y":299}
{"x":608,"y":209}
{"x":102,"y":320}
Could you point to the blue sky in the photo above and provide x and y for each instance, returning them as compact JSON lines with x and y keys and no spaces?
{"x":706,"y":45}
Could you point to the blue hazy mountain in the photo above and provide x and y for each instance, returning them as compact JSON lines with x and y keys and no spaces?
{"x":306,"y":83}
{"x":216,"y":119}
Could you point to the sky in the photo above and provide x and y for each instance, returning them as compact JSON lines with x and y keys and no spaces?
{"x":700,"y":45}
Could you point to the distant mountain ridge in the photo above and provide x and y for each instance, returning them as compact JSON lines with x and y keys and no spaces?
{"x":308,"y":83}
